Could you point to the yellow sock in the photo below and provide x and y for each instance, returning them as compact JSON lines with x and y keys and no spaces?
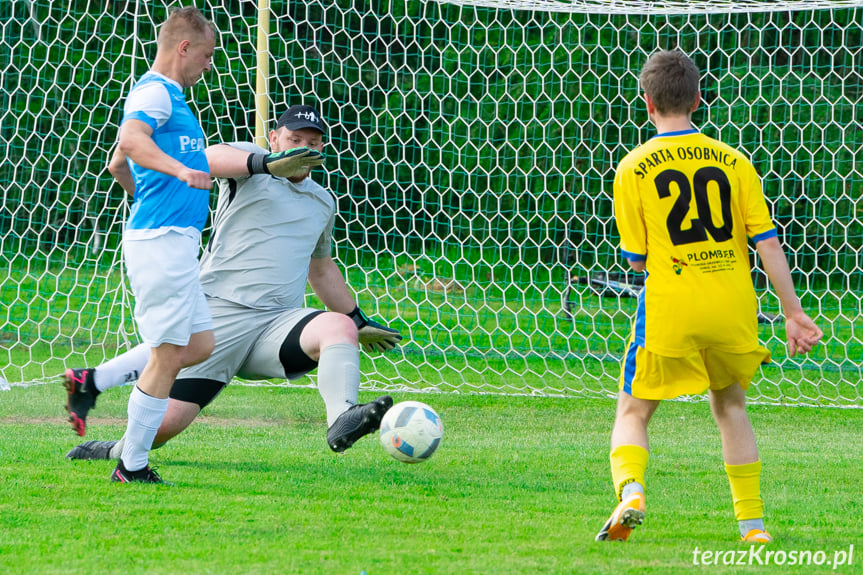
{"x":628,"y":463}
{"x":746,"y":490}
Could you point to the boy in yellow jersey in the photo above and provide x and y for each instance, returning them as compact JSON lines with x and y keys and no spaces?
{"x":685,"y":205}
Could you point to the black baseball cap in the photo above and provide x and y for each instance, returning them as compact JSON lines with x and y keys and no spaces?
{"x":299,"y":117}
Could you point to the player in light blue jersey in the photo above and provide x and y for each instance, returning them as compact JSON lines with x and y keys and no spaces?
{"x":271,"y":237}
{"x":160,"y":159}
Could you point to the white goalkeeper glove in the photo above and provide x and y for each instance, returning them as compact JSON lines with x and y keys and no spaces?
{"x":290,"y":164}
{"x":374,"y":336}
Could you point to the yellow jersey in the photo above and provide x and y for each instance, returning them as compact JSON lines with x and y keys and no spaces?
{"x":685,"y":204}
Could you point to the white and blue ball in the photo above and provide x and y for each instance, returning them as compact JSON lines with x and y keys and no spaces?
{"x":411,"y":431}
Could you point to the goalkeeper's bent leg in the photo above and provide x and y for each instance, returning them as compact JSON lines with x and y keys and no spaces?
{"x":339,"y":378}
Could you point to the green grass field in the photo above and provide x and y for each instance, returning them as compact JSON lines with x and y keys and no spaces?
{"x":520,"y":485}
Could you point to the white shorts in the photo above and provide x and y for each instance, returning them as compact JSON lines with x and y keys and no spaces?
{"x":169,"y":303}
{"x":248,"y":342}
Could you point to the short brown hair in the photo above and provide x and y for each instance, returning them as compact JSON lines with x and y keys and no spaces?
{"x":671,"y":79}
{"x":181,"y":23}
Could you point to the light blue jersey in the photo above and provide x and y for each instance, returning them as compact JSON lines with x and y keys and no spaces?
{"x":163,"y":202}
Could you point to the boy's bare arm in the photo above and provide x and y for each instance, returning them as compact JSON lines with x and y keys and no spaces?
{"x":637,"y":265}
{"x":801,"y":332}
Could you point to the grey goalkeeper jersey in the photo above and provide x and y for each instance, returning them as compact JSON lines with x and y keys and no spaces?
{"x":265,"y":231}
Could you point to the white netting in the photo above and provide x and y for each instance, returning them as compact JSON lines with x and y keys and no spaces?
{"x":645,"y":7}
{"x":472,"y":150}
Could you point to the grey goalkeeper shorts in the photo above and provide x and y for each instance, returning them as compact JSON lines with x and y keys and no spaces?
{"x":248,"y":342}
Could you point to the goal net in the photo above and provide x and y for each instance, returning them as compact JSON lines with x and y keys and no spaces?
{"x":472,"y":150}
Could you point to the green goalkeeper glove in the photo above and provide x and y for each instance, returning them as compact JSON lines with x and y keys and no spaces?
{"x":292,"y":163}
{"x":374,"y":336}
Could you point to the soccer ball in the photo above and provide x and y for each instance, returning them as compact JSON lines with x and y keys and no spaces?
{"x":411,"y":431}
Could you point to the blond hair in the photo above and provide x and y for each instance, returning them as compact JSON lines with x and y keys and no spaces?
{"x":184,"y":24}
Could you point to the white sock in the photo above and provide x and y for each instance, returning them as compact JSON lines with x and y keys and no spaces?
{"x":117,"y":449}
{"x":339,"y":378}
{"x":123,"y":369}
{"x":747,"y":525}
{"x":145,"y":416}
{"x":630,"y":488}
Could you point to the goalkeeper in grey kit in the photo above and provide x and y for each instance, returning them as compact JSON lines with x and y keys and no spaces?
{"x":272,"y":233}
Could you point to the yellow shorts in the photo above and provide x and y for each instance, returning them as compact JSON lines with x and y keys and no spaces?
{"x":646,"y":375}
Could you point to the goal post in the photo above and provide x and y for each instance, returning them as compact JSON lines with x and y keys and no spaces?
{"x":471,"y":148}
{"x":262,"y":75}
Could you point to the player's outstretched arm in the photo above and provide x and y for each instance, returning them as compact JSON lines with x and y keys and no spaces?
{"x":227,"y":161}
{"x":288,"y":164}
{"x":800,"y":331}
{"x":329,"y":285}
